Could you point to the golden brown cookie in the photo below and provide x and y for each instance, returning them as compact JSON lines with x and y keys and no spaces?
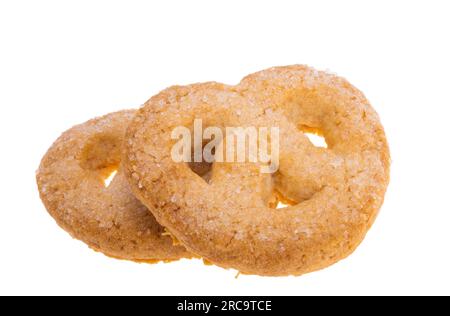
{"x":334,"y":193}
{"x":71,"y":181}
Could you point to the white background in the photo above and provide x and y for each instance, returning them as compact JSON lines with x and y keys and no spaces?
{"x":64,"y":62}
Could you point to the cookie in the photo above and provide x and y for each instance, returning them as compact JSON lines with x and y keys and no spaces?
{"x":108,"y":218}
{"x":230,"y":218}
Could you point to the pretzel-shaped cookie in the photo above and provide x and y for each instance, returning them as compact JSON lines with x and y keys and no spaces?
{"x":109,"y":219}
{"x":231,"y":220}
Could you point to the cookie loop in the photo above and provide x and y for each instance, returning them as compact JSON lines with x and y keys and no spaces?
{"x":71,"y":181}
{"x":333,"y":193}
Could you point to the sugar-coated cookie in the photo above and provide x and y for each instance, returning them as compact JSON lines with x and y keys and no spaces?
{"x":107,"y":218}
{"x":230,"y":219}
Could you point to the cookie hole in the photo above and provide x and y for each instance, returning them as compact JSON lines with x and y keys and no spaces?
{"x":101,"y":153}
{"x":281,"y":205}
{"x":279,"y":202}
{"x":315,"y":136}
{"x":202,"y":169}
{"x":317,"y":140}
{"x":108,"y":180}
